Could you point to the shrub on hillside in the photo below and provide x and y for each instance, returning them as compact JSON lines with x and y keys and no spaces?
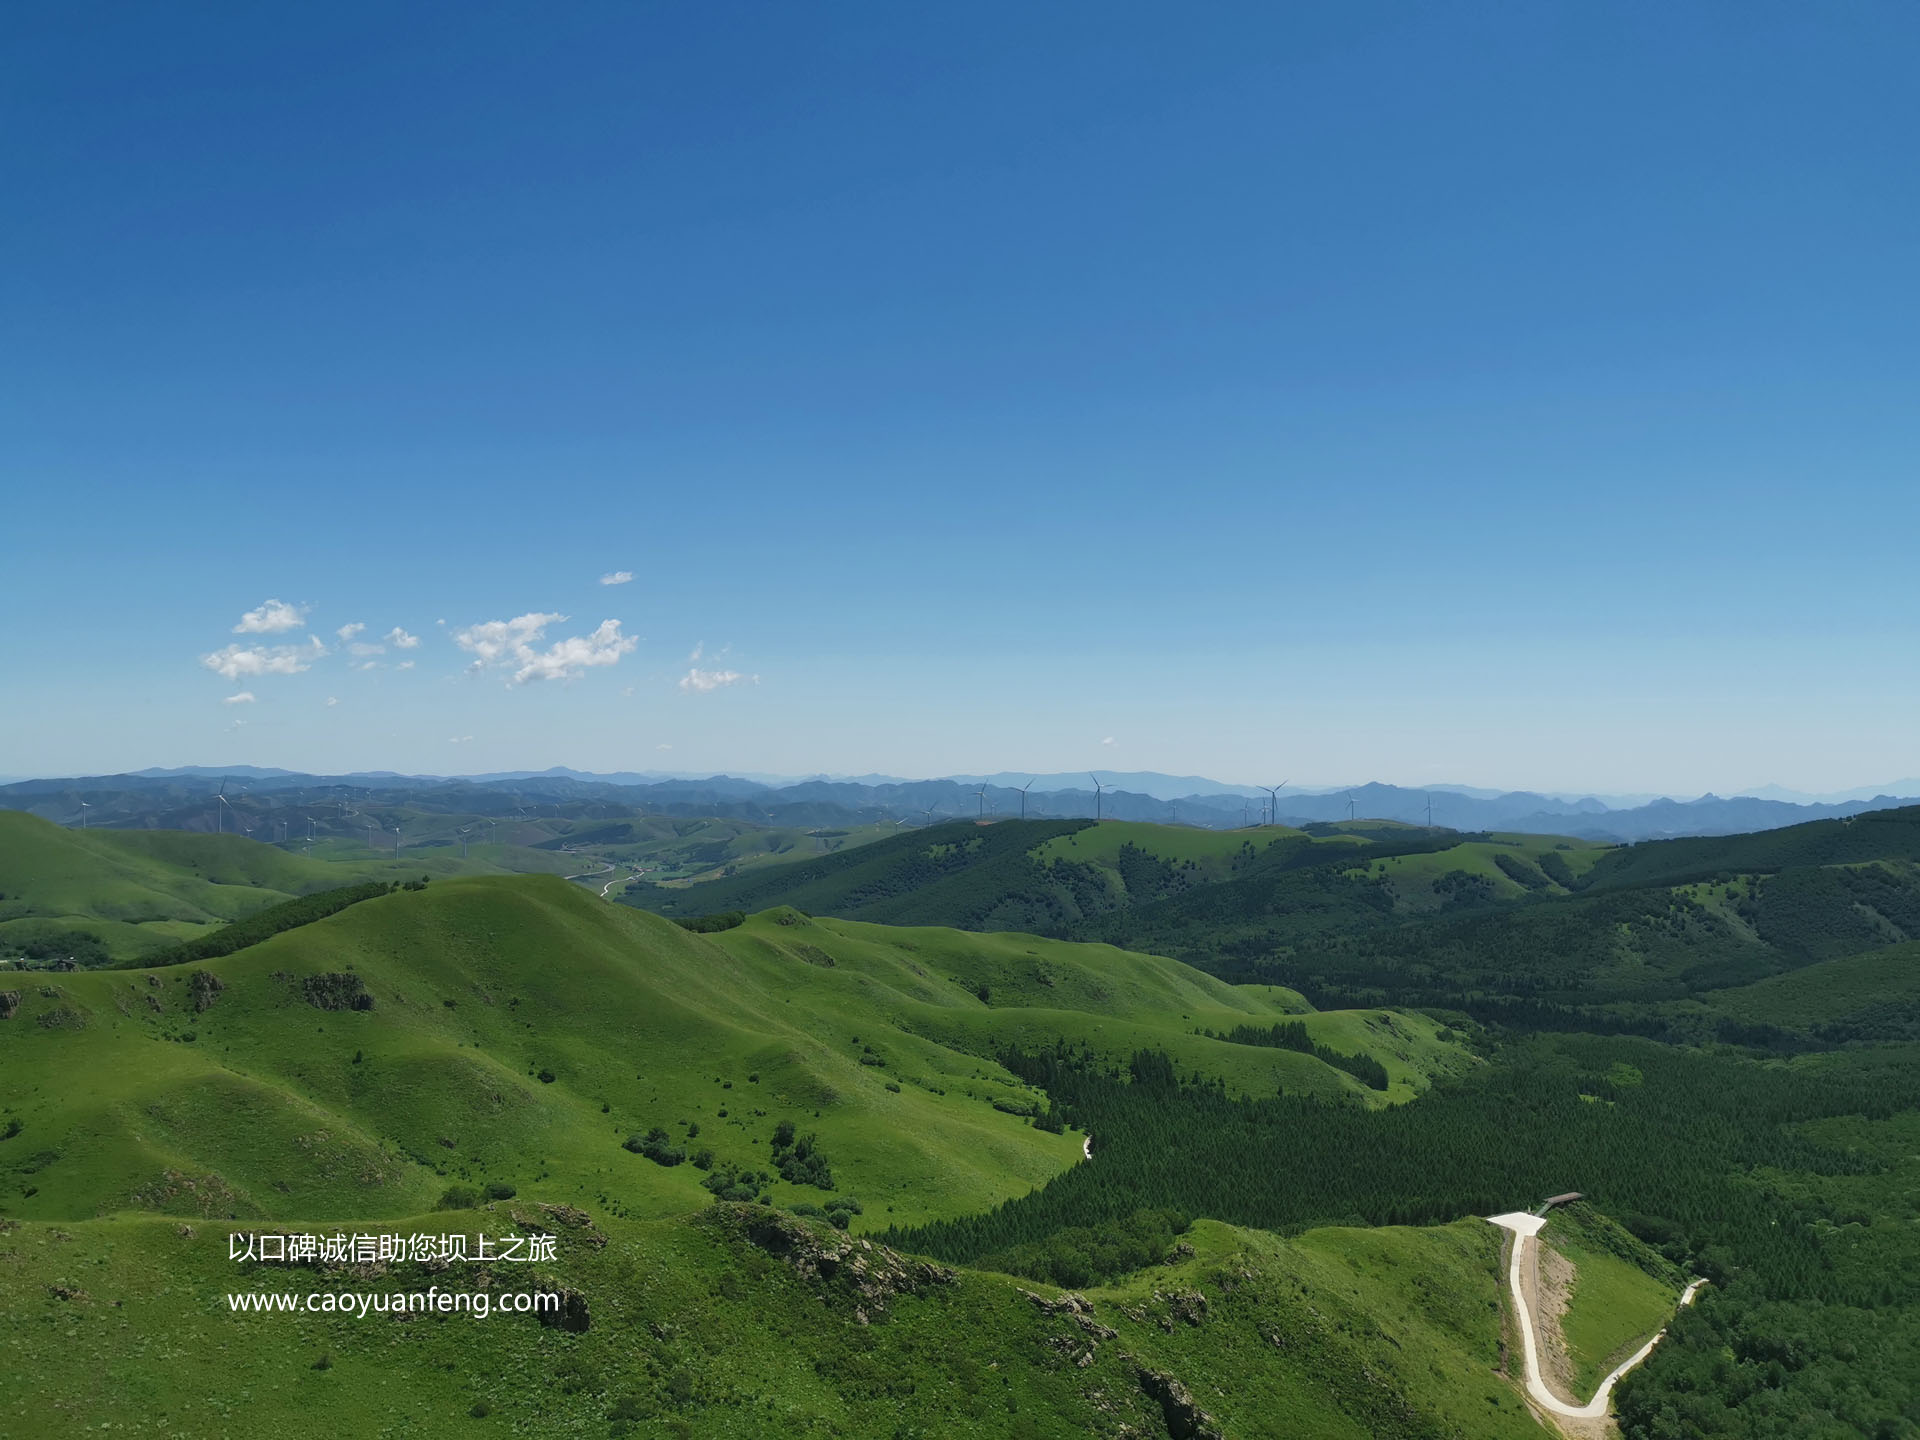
{"x":800,"y":1161}
{"x":657,"y":1146}
{"x":708,"y":924}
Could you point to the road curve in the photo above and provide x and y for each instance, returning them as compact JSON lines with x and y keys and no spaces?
{"x":1525,"y":1228}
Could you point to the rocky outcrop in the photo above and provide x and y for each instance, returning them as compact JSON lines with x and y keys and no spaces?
{"x":565,"y":1218}
{"x":570,"y":1314}
{"x":865,"y":1276}
{"x":9,"y":1004}
{"x":1075,"y":1307}
{"x":336,"y":990}
{"x":202,"y":988}
{"x":1187,"y":1305}
{"x":1185,"y":1419}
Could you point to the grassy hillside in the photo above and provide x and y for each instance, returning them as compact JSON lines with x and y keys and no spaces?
{"x":726,"y":1325}
{"x":355,"y":1073}
{"x":1053,"y":877}
{"x":516,"y":1031}
{"x":976,"y":877}
{"x":984,"y":993}
{"x":1622,"y":1291}
{"x":520,"y":1029}
{"x":139,"y":890}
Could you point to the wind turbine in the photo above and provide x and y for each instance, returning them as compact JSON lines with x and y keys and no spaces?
{"x":221,"y":796}
{"x":1273,"y":794}
{"x":396,"y":842}
{"x":84,"y":807}
{"x":463,"y":844}
{"x":1098,"y":791}
{"x":930,"y":810}
{"x":1429,"y":810}
{"x":1352,"y":805}
{"x":981,"y":796}
{"x":1023,"y":797}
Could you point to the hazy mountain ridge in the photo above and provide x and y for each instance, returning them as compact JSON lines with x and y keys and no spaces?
{"x":164,"y":796}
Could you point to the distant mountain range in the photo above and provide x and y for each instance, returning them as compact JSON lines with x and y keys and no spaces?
{"x":176,"y":798}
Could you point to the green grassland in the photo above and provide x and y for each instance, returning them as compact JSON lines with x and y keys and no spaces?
{"x":1622,"y":1292}
{"x":1417,"y":881}
{"x":1046,"y":876}
{"x":1041,"y":992}
{"x":719,"y":1325}
{"x":521,"y":1029}
{"x":666,"y":850}
{"x":141,"y":890}
{"x":138,"y":891}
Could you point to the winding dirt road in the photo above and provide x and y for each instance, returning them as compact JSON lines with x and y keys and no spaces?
{"x":1526,"y":1229}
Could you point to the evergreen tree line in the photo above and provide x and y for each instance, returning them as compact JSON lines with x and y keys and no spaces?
{"x":263,"y":924}
{"x":1701,"y":1154}
{"x":1667,"y":1155}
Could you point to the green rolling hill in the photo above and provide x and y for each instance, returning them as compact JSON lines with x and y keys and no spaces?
{"x":138,"y":891}
{"x":507,"y":1036}
{"x":734,"y":1323}
{"x":1066,"y":877}
{"x":818,"y":1174}
{"x":535,"y":1028}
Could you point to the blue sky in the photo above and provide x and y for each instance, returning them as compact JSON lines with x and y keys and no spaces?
{"x":1508,"y":394}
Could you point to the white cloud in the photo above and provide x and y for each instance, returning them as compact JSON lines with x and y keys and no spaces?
{"x":401,"y":640}
{"x":245,"y":697}
{"x":663,"y":747}
{"x":237,"y":660}
{"x":347,"y":632}
{"x":700,"y":681}
{"x":271,"y":618}
{"x":1109,"y":741}
{"x":495,"y":640}
{"x":366,"y":647}
{"x":332,"y":700}
{"x":405,"y":665}
{"x":616,"y":577}
{"x":568,"y":658}
{"x":458,"y":739}
{"x":517,"y":642}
